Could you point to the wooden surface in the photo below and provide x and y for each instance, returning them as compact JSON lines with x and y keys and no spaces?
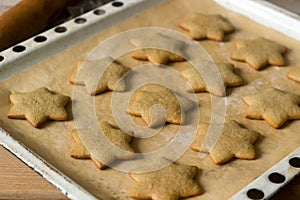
{"x":18,"y":181}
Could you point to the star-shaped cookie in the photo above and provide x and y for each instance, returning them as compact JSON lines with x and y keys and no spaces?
{"x":38,"y":106}
{"x":234,"y":142}
{"x":259,"y":53}
{"x":93,"y":140}
{"x":172,"y":182}
{"x":294,"y":74}
{"x":202,"y":26}
{"x":80,"y":152}
{"x":158,"y":49}
{"x":274,"y":106}
{"x":146,"y":102}
{"x":100,"y":75}
{"x":225,"y":72}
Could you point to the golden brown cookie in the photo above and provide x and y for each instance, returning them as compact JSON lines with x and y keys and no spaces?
{"x":225,"y":73}
{"x":294,"y":74}
{"x":80,"y":152}
{"x":172,"y":182}
{"x":100,"y":75}
{"x":98,"y":154}
{"x":274,"y":106}
{"x":259,"y":53}
{"x":145,"y":101}
{"x":166,"y":49}
{"x":39,"y":106}
{"x":202,"y":26}
{"x":234,"y":141}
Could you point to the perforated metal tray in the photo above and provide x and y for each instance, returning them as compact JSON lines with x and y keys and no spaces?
{"x":27,"y":53}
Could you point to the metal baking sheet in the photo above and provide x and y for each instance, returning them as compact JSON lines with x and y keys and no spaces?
{"x":267,"y":14}
{"x":14,"y":62}
{"x":59,"y":38}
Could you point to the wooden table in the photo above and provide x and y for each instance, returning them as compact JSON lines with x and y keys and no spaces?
{"x":18,"y":181}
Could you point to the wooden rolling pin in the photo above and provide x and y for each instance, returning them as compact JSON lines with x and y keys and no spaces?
{"x":28,"y":18}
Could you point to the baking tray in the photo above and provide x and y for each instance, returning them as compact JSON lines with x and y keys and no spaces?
{"x":32,"y":51}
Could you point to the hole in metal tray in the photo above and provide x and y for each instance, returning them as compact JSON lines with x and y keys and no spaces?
{"x":19,"y":49}
{"x":255,"y":194}
{"x":295,"y":162}
{"x":60,"y":29}
{"x":276,"y":178}
{"x":1,"y":58}
{"x":99,"y":12}
{"x":117,"y":4}
{"x":80,"y":20}
{"x":40,"y":39}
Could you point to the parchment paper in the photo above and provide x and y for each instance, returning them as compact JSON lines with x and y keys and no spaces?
{"x":53,"y":141}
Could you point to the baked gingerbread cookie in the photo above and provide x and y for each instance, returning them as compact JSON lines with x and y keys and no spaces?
{"x":148,"y":99}
{"x":294,"y":74}
{"x":100,"y":75}
{"x":224,"y":72}
{"x":203,"y":26}
{"x":97,"y":153}
{"x":158,"y":49}
{"x":259,"y":53}
{"x":233,"y":141}
{"x":80,"y":152}
{"x":172,"y":182}
{"x":38,"y":106}
{"x":274,"y":106}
